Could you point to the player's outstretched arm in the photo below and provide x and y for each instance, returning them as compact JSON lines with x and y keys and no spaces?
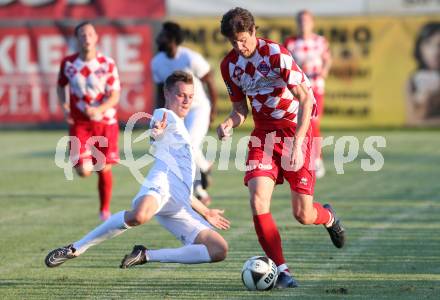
{"x":237,"y":117}
{"x":214,"y":216}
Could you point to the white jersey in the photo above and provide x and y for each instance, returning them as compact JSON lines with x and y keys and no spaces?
{"x":185,"y":60}
{"x":173,"y":148}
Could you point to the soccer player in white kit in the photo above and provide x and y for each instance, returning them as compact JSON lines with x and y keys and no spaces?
{"x":166,"y":194}
{"x":171,"y":57}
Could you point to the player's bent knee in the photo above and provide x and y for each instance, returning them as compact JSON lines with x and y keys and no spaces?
{"x":82,"y":172}
{"x":141,"y":217}
{"x":136,"y":218}
{"x":215,"y":243}
{"x":303,"y":217}
{"x":219,"y":251}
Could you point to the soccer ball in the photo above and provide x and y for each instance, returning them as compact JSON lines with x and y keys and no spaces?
{"x":259,"y":273}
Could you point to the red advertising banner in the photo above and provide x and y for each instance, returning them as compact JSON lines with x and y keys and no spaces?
{"x":81,"y":9}
{"x":29,"y":64}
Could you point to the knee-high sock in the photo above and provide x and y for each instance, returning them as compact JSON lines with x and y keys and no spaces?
{"x":323,"y":215}
{"x":105,"y":186}
{"x":190,"y":254}
{"x":114,"y":226}
{"x":269,"y":237}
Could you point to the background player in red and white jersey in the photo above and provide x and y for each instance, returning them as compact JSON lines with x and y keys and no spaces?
{"x":311,"y":52}
{"x":90,"y":111}
{"x":282,"y":104}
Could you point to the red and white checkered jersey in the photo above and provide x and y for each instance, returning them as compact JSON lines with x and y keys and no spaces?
{"x":266,"y":79}
{"x":310,"y":55}
{"x":89,"y":84}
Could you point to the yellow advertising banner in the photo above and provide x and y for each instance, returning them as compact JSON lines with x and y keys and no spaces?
{"x":374,"y":75}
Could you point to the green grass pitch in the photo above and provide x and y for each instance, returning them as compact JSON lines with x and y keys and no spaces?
{"x":392,"y":218}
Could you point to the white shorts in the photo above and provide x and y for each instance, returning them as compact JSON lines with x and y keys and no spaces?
{"x":174,"y":208}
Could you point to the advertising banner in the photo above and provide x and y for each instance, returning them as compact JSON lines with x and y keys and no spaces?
{"x":30,"y":59}
{"x":80,"y":9}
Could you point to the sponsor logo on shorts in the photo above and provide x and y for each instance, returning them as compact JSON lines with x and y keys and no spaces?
{"x":304,"y":181}
{"x":260,"y":166}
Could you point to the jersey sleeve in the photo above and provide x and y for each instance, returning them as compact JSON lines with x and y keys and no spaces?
{"x":62,"y":78}
{"x":113,"y":83}
{"x":155,"y":71}
{"x":199,"y":66}
{"x":288,"y":70}
{"x":234,"y":91}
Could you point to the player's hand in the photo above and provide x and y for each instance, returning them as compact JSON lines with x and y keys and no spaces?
{"x":66,"y":112}
{"x":159,"y":127}
{"x":92,"y":112}
{"x":224,"y":131}
{"x":69,"y":119}
{"x":215,"y":218}
{"x":297,"y":157}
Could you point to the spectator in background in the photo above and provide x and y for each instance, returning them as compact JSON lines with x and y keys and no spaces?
{"x":311,"y":52}
{"x":172,"y":57}
{"x":423,"y":87}
{"x":90,"y":111}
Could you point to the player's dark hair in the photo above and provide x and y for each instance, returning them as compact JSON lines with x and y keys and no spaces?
{"x":177,"y":76}
{"x":81,"y":25}
{"x":425,"y":33}
{"x":173,"y":31}
{"x":235,"y":21}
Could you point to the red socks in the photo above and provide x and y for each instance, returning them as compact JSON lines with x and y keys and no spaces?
{"x":105,"y":185}
{"x":323,"y":215}
{"x":269,"y":237}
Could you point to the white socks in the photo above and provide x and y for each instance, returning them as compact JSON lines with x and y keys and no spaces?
{"x":114,"y":226}
{"x":190,"y":254}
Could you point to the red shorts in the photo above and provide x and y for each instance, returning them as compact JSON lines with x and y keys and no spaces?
{"x":95,"y":141}
{"x":267,"y":159}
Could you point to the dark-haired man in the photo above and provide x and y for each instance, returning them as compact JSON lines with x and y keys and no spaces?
{"x":90,"y":111}
{"x":171,"y":57}
{"x":165,"y":194}
{"x":282,"y":105}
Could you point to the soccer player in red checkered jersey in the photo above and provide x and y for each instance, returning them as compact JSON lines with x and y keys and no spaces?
{"x":311,"y":52}
{"x":282,"y":104}
{"x":90,"y":111}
